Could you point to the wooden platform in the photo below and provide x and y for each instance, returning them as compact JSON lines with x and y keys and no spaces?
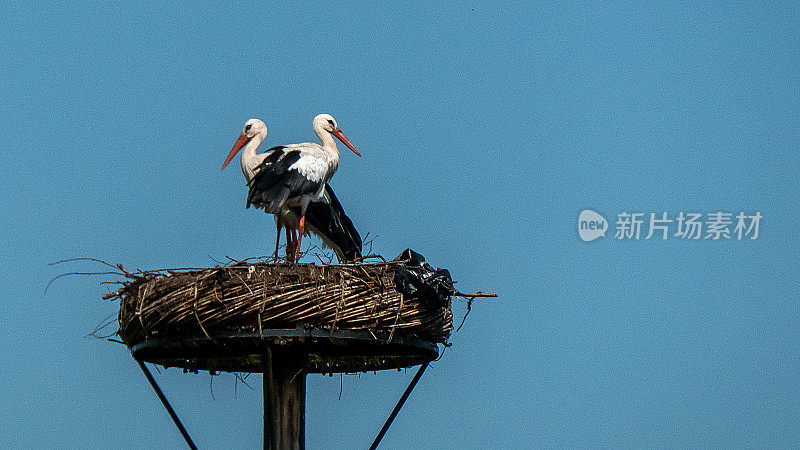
{"x":322,"y":351}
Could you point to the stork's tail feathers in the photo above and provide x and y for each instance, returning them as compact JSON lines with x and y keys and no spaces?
{"x":334,"y":227}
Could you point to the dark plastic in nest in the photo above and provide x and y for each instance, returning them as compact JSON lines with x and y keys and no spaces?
{"x":417,"y":279}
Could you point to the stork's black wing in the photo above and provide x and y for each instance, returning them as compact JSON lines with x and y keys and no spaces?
{"x":274,"y":182}
{"x":335,"y":228}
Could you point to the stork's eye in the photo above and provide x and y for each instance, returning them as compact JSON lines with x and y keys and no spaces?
{"x":330,"y":122}
{"x":247,"y":128}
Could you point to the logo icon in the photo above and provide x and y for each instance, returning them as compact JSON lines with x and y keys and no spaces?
{"x":591,"y":225}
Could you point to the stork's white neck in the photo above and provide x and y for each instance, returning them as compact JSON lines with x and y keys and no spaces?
{"x":250,"y":159}
{"x":328,"y":143}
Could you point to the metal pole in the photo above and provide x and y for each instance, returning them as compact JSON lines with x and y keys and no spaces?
{"x":284,"y":399}
{"x":166,"y":404}
{"x":398,"y":406}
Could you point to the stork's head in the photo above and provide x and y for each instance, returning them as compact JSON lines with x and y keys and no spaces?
{"x":327,"y":124}
{"x":252,"y":128}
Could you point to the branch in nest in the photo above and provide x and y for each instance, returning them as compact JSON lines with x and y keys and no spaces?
{"x":469,"y":308}
{"x":475,"y":295}
{"x":470,"y":298}
{"x":78,"y":273}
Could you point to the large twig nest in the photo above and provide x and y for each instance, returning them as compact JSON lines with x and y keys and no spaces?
{"x":401,"y":298}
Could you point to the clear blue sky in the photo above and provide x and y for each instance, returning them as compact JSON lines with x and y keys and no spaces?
{"x":485,"y":131}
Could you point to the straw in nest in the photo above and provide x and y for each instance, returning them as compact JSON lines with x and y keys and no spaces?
{"x":387,"y":296}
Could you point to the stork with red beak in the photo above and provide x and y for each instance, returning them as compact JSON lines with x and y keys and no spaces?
{"x":291,"y":182}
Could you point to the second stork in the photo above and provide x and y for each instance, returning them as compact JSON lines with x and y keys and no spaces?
{"x":291,"y":182}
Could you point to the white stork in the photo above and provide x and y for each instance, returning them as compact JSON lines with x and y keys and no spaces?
{"x":291,"y":183}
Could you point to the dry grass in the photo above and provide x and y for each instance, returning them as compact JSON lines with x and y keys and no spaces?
{"x":257,"y":296}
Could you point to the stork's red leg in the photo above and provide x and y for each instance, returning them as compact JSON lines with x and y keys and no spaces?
{"x":301,"y":230}
{"x":289,"y":242}
{"x":295,"y":244}
{"x":278,"y":239}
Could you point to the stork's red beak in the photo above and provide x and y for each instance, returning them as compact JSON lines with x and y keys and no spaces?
{"x":241,"y":142}
{"x":338,"y":133}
